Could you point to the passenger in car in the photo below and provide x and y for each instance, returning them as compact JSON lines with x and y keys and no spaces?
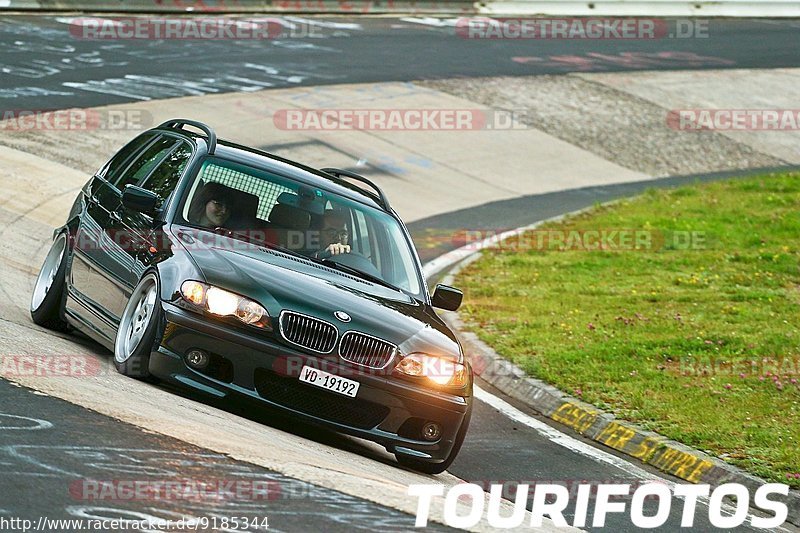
{"x":211,"y":207}
{"x":217,"y":212}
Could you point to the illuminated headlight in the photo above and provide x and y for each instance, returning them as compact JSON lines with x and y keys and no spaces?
{"x":224,"y":303}
{"x":439,"y":370}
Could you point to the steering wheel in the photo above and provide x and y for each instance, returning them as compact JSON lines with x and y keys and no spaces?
{"x":352,"y":259}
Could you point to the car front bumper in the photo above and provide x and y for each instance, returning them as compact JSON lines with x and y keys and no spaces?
{"x":387,"y":409}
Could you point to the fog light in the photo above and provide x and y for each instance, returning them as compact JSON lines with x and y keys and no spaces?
{"x":197,"y":359}
{"x":431,"y":431}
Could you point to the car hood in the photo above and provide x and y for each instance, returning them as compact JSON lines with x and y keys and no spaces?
{"x":281,"y":281}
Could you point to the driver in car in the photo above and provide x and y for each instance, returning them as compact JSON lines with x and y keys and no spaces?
{"x":334,"y":235}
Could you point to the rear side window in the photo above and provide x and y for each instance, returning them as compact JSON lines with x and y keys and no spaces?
{"x":165,"y":177}
{"x":112,"y":170}
{"x":146,"y":162}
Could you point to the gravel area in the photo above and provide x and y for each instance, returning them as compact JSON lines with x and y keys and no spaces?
{"x":91,"y":148}
{"x":611,"y":123}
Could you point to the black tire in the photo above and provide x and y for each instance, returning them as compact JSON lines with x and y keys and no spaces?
{"x":138,"y":328}
{"x":47,"y":300}
{"x":438,"y":468}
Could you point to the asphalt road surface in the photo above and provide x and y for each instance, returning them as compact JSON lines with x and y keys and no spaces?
{"x":63,"y":462}
{"x":44,"y":66}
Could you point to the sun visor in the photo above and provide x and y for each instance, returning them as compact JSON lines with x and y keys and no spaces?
{"x":310,"y":200}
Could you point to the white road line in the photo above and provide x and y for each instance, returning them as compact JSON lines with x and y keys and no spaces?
{"x":22,"y":423}
{"x":562,"y":439}
{"x":88,"y":21}
{"x":433,"y":21}
{"x":325,"y":23}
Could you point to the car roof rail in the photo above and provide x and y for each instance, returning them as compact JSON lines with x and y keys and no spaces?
{"x":338,"y":172}
{"x":179,"y":123}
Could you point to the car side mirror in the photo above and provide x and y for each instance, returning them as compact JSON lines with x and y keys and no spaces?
{"x":140,"y":200}
{"x":446,"y":297}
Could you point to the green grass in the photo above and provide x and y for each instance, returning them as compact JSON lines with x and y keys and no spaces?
{"x":685,"y":341}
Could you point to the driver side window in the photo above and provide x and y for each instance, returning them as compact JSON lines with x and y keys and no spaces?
{"x":114,"y":169}
{"x":146,"y":162}
{"x":165,"y":177}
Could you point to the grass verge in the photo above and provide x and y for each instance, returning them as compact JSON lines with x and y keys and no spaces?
{"x":687,"y":323}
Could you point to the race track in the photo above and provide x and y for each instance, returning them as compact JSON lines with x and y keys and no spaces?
{"x":56,"y":433}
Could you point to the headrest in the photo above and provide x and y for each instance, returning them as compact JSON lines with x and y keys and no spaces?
{"x":244,"y":206}
{"x":290,"y":217}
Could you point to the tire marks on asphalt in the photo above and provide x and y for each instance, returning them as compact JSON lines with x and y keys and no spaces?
{"x":80,"y":464}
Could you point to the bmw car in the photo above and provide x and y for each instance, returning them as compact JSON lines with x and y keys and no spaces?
{"x":239,"y":274}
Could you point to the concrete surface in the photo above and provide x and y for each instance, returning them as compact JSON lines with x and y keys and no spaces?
{"x":423,"y":172}
{"x":622,"y":117}
{"x":721,"y":89}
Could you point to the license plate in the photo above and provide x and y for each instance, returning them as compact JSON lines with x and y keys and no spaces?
{"x":322,"y":379}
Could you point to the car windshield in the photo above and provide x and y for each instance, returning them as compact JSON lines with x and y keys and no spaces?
{"x":306,"y":220}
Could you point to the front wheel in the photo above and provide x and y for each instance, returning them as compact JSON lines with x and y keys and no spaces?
{"x":47,"y":301}
{"x":438,"y":468}
{"x":138,"y":328}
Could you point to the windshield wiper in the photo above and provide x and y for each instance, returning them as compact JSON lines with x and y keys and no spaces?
{"x":246,"y":237}
{"x":357,"y":272}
